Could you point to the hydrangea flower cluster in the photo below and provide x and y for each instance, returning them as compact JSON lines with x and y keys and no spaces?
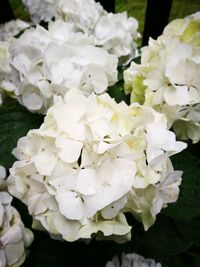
{"x":14,"y":237}
{"x":114,"y":32}
{"x":84,"y":14}
{"x":91,"y":161}
{"x":117,"y":34}
{"x":12,"y":28}
{"x":41,"y":10}
{"x":7,"y":33}
{"x":132,"y":260}
{"x":168,"y":78}
{"x":45,"y":63}
{"x":6,"y":87}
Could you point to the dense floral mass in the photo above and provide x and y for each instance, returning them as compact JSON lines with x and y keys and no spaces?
{"x":132,"y":260}
{"x":12,"y":28}
{"x":46,"y":63}
{"x":92,"y":160}
{"x":6,"y":88}
{"x":93,"y":163}
{"x":114,"y":32}
{"x":7,"y":32}
{"x":14,"y":237}
{"x":117,"y":34}
{"x":168,"y":78}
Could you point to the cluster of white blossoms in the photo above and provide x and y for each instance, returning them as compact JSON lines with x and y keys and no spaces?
{"x":6,"y":87}
{"x":14,"y":237}
{"x":84,"y":14}
{"x":7,"y":32}
{"x":117,"y":34}
{"x":114,"y":32}
{"x":12,"y":28}
{"x":132,"y":260}
{"x":44,"y":10}
{"x":45,"y":63}
{"x":91,"y":161}
{"x":168,"y":77}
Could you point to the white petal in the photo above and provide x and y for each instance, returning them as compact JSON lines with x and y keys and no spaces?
{"x":2,"y":172}
{"x":45,"y":162}
{"x":36,"y":204}
{"x":70,"y":205}
{"x":68,"y":229}
{"x":13,"y":235}
{"x":27,"y":237}
{"x":5,"y":198}
{"x":32,"y":101}
{"x":2,"y":259}
{"x":13,"y":252}
{"x":69,"y":149}
{"x":87,"y":183}
{"x":114,"y":208}
{"x":178,"y":95}
{"x":117,"y":177}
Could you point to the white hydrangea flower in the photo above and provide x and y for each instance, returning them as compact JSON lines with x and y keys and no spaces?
{"x":132,"y":260}
{"x":14,"y":237}
{"x":167,"y":191}
{"x":6,"y":87}
{"x":39,"y":10}
{"x":12,"y":28}
{"x":2,"y":173}
{"x":168,"y":78}
{"x":78,"y":172}
{"x":46,"y":63}
{"x":188,"y":124}
{"x":3,"y":182}
{"x":114,"y":32}
{"x":117,"y":34}
{"x":84,"y":14}
{"x":156,"y":183}
{"x":5,"y":58}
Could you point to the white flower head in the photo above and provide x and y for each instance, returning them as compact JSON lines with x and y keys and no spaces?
{"x":84,"y":14}
{"x":2,"y":173}
{"x":168,"y":78}
{"x":14,"y":237}
{"x":132,"y":260}
{"x":6,"y":85}
{"x":117,"y":34}
{"x":43,"y":10}
{"x":77,"y":172}
{"x":47,"y":63}
{"x":12,"y":28}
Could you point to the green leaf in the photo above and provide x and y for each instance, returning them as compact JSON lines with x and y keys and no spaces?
{"x":178,"y":261}
{"x":15,"y":122}
{"x":117,"y":92}
{"x":188,"y":204}
{"x":120,"y":73}
{"x":137,"y":60}
{"x":189,"y":229}
{"x":197,"y":260}
{"x":163,"y":239}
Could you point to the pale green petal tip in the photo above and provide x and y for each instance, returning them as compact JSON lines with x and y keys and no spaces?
{"x":190,"y":34}
{"x":138,"y":90}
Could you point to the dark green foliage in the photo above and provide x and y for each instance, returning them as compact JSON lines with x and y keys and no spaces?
{"x":15,"y":122}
